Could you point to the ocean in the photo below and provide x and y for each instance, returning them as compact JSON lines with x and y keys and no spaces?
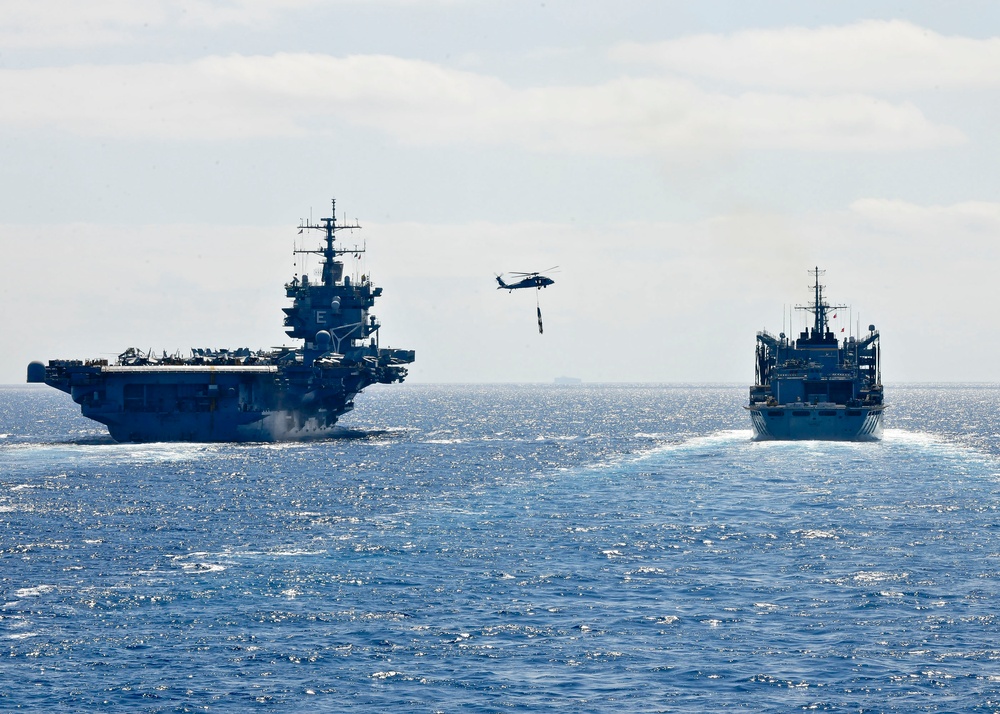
{"x":601,"y":548}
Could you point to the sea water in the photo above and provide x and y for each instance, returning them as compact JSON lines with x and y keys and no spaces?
{"x":620,"y":548}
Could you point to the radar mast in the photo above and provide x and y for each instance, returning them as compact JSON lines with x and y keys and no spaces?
{"x":332,"y":268}
{"x":819,"y":307}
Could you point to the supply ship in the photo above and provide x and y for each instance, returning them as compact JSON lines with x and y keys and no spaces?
{"x":286,"y":393}
{"x":816,"y":387}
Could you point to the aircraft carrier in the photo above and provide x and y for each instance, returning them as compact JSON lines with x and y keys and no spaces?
{"x":817,"y":387}
{"x":287,"y":393}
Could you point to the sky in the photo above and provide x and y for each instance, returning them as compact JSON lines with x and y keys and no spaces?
{"x":683,"y":164}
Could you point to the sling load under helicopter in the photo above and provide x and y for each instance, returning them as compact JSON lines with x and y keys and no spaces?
{"x":528,"y":280}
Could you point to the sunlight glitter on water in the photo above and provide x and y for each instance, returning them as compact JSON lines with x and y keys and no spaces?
{"x":652,"y":557}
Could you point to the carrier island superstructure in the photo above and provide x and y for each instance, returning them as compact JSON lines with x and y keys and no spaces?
{"x":286,"y":393}
{"x":817,"y":387}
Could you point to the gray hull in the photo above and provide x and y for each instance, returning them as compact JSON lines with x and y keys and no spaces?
{"x":798,"y":422}
{"x":220,"y":426}
{"x":221,"y":403}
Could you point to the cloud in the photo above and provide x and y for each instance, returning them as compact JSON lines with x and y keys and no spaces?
{"x":981,"y":218}
{"x":419,"y":102}
{"x":959,"y":238}
{"x":872,"y":55}
{"x":71,"y":23}
{"x":169,"y":287}
{"x":68,"y":23}
{"x":662,"y":301}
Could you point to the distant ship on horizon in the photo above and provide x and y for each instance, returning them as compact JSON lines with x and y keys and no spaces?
{"x":287,"y":393}
{"x":568,"y":380}
{"x":816,"y":387}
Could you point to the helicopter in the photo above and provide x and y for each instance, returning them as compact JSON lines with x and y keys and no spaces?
{"x":528,"y":280}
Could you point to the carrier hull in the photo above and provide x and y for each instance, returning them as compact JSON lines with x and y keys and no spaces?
{"x":223,"y":403}
{"x":285,"y":425}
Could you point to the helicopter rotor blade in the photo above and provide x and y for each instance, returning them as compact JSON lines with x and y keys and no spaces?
{"x":534,"y":273}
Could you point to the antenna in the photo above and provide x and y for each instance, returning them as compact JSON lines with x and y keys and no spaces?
{"x":819,"y":307}
{"x":332,"y":268}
